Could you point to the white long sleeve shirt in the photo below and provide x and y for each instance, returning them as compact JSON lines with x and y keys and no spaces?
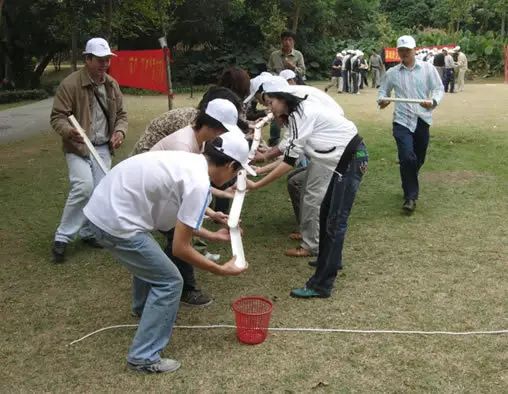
{"x":318,"y":132}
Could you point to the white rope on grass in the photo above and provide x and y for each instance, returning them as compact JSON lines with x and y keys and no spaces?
{"x":302,"y":329}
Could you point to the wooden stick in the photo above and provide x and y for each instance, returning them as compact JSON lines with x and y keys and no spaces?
{"x":88,"y":144}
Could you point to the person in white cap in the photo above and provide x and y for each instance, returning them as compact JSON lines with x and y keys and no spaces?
{"x":336,"y":74}
{"x":215,"y":118}
{"x":337,"y":153}
{"x":234,"y":79}
{"x":411,"y":79}
{"x":449,"y":71}
{"x":355,"y":72}
{"x":462,"y":68}
{"x":289,"y":76}
{"x":160,"y":191}
{"x":95,"y":99}
{"x":346,"y":71}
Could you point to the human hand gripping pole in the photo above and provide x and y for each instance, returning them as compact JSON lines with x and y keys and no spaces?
{"x":406,"y":100}
{"x":88,"y":144}
{"x":256,"y":140}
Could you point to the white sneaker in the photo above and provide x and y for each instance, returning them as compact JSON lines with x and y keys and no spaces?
{"x":163,"y":365}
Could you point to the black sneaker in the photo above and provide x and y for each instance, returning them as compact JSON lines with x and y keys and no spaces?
{"x":58,"y":251}
{"x":92,"y":242}
{"x":409,"y":205}
{"x":326,"y":89}
{"x":195,"y":298}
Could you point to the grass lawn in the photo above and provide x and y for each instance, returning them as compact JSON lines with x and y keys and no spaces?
{"x":444,"y":268}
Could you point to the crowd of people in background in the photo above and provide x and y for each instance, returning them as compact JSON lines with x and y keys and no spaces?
{"x":350,"y":68}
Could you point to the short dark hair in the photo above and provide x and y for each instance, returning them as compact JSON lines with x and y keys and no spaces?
{"x":288,"y":33}
{"x":203,"y":119}
{"x":236,"y":79}
{"x":221,"y":92}
{"x":216,"y":157}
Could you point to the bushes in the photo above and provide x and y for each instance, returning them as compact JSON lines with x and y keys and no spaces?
{"x":485,"y":52}
{"x":12,"y":96}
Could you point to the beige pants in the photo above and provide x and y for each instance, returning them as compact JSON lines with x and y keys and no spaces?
{"x":313,"y":191}
{"x":460,"y":79}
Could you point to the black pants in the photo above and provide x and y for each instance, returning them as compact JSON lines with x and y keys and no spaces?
{"x":449,"y":80}
{"x":186,"y":269}
{"x":355,"y":75}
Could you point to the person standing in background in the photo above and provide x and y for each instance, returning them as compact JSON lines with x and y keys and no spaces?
{"x":439,"y":64}
{"x":287,"y":57}
{"x":95,"y":99}
{"x":377,"y":68}
{"x":412,"y":79}
{"x":449,"y":72}
{"x":336,"y":73}
{"x":462,"y":68}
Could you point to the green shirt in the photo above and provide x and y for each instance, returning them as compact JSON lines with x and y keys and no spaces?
{"x":276,"y":62}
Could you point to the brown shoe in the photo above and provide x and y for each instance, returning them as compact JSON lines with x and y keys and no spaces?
{"x":298,"y":252}
{"x":296,"y":236}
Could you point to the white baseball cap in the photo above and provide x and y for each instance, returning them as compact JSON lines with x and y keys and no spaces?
{"x":255,"y":83}
{"x":225,"y":112}
{"x":98,"y":47}
{"x":406,"y":42}
{"x":275,"y":85}
{"x":287,"y":74}
{"x":236,"y":146}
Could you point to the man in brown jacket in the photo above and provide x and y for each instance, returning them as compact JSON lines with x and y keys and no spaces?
{"x":94,"y":98}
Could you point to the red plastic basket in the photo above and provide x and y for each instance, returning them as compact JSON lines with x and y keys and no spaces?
{"x":252,"y":315}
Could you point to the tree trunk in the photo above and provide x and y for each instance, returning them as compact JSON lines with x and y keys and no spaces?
{"x":72,"y":11}
{"x":108,"y":13}
{"x":503,"y":24}
{"x":296,"y":15}
{"x":43,"y":63}
{"x":1,"y":8}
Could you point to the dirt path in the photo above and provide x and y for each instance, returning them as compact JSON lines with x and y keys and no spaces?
{"x":21,"y":122}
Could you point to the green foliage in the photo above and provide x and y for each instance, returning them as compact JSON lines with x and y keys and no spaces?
{"x":13,"y":96}
{"x":485,"y":52}
{"x":209,"y":35}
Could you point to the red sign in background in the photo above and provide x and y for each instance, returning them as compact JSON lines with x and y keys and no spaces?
{"x":140,"y":69}
{"x":391,"y":55}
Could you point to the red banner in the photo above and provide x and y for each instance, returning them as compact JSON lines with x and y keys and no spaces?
{"x":506,"y":64}
{"x":391,"y":55}
{"x":140,"y":69}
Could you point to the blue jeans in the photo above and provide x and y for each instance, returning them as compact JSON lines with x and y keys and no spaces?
{"x":449,"y":80}
{"x":333,"y":217}
{"x":156,"y":291}
{"x":412,"y":148}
